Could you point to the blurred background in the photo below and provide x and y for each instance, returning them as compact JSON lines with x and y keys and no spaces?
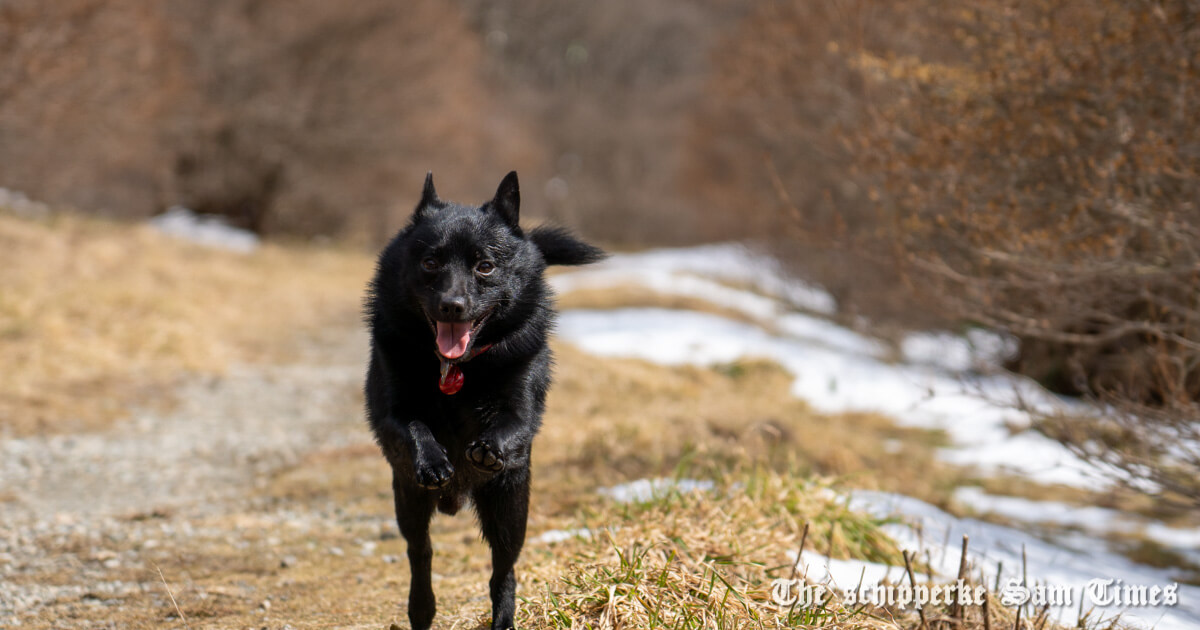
{"x":1027,"y":171}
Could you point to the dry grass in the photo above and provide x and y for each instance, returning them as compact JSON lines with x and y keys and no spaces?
{"x":95,"y":316}
{"x":617,"y":419}
{"x":648,"y":565}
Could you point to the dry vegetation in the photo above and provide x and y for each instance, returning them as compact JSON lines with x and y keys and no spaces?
{"x":1086,"y":248}
{"x":96,"y":316}
{"x":315,"y":118}
{"x":287,"y":117}
{"x":1030,"y":167}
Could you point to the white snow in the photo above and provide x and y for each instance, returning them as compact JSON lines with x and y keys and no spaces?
{"x":705,"y":272}
{"x":837,"y":370}
{"x":998,"y":549}
{"x":1097,"y":521}
{"x":644,"y":490}
{"x":978,"y":350}
{"x":207,"y":230}
{"x":17,"y":203}
{"x":845,"y":574}
{"x":560,"y":535}
{"x":942,"y":381}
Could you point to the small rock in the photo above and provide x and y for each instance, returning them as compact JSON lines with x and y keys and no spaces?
{"x":287,"y":562}
{"x":337,"y":551}
{"x":265,"y":605}
{"x":390,"y":559}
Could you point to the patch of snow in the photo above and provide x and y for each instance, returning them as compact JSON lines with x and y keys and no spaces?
{"x":560,"y":535}
{"x":17,"y":203}
{"x":977,"y":350}
{"x":837,"y":370}
{"x":644,"y":490}
{"x":845,"y":574}
{"x":829,"y":335}
{"x":998,"y":550}
{"x":1097,"y":521}
{"x":207,"y":230}
{"x":700,"y":272}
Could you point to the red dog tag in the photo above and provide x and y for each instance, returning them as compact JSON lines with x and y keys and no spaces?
{"x":452,"y":377}
{"x":451,"y":380}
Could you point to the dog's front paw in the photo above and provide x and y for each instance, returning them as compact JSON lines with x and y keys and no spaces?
{"x":434,"y":473}
{"x":485,"y":456}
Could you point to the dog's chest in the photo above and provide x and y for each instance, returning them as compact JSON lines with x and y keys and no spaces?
{"x":460,"y":416}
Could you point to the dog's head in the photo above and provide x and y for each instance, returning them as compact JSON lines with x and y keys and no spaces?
{"x":469,"y":269}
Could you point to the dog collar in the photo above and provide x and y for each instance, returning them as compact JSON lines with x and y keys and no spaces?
{"x":451,"y":379}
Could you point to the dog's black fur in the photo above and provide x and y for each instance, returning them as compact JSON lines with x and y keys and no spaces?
{"x":476,"y":442}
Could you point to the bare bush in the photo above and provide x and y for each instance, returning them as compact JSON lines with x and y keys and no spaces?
{"x":1048,"y":185}
{"x":609,"y":88}
{"x":1033,"y":167}
{"x":312,"y":117}
{"x":301,"y":117}
{"x":766,"y":153}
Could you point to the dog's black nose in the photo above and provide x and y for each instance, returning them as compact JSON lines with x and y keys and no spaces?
{"x":453,"y":306}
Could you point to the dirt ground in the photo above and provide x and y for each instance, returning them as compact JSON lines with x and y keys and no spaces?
{"x":91,"y":518}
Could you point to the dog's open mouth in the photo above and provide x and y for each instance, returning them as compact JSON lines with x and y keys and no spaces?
{"x":454,"y":338}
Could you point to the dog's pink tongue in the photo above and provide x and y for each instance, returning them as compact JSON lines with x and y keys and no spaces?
{"x":452,"y":338}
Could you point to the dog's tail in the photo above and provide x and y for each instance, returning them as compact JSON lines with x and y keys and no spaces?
{"x":560,"y":247}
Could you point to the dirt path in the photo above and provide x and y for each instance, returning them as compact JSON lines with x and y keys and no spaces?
{"x":221,"y":438}
{"x":225,"y":438}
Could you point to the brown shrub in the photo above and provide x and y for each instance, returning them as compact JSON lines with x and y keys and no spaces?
{"x":1048,"y":186}
{"x":311,"y":117}
{"x":767,"y":157}
{"x":290,"y":117}
{"x":1051,"y":188}
{"x":85,"y":88}
{"x":608,"y":87}
{"x":1030,"y":166}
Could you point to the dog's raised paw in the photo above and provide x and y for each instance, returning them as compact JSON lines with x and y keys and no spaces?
{"x":485,"y":456}
{"x":434,"y":475}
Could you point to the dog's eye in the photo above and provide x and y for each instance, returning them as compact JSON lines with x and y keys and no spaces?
{"x":429,"y":264}
{"x":485,"y":268}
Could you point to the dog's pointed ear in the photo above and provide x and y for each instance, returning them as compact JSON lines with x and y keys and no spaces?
{"x":508,"y":199}
{"x":429,"y":197}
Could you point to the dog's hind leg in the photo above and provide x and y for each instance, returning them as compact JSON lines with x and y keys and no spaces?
{"x":503,"y":505}
{"x":414,"y":507}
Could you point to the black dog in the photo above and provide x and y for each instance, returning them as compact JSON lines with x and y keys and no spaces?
{"x":459,"y":314}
